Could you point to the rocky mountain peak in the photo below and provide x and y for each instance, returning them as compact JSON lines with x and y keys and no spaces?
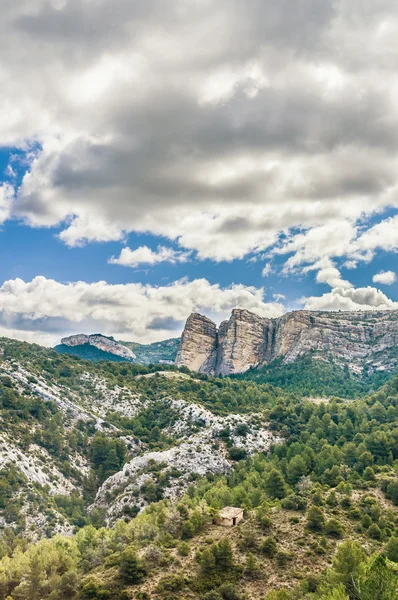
{"x":360,"y":339}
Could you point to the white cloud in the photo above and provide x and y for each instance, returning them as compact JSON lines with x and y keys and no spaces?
{"x":144,"y":255}
{"x":385,"y":277}
{"x":6,"y":199}
{"x":367,"y":298}
{"x":44,"y":310}
{"x":217,"y":124}
{"x":267,"y":270}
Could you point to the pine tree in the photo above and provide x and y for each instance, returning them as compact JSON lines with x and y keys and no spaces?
{"x":315,"y":519}
{"x":392,"y":549}
{"x":275,"y":485}
{"x":378,"y":581}
{"x":131,"y":567}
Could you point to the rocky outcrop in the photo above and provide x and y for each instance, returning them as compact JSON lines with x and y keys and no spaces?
{"x":101,"y":342}
{"x":360,"y":339}
{"x":198,"y":346}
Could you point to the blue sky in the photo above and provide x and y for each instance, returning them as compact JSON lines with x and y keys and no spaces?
{"x":194,"y":156}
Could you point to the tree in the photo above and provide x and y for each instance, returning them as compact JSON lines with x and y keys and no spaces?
{"x":334,"y":528}
{"x":223,"y":555}
{"x":269,"y":547}
{"x":275,"y":485}
{"x":374,"y":532}
{"x":392,"y":549}
{"x":378,"y":581}
{"x":131,"y":567}
{"x":296,"y":469}
{"x":392,"y":492}
{"x":251,"y":567}
{"x":315,"y":519}
{"x":338,"y":593}
{"x":348,"y":566}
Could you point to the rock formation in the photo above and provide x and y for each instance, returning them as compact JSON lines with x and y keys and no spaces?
{"x":360,"y":339}
{"x":101,"y":342}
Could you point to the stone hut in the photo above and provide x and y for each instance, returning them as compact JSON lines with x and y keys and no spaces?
{"x":230,"y":516}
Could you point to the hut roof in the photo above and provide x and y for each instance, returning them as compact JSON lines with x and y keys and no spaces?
{"x":229,"y":512}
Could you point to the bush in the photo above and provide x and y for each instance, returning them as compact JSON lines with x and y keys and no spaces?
{"x":315,"y":519}
{"x":131,"y":568}
{"x":334,"y":528}
{"x":391,"y":549}
{"x":171,"y":583}
{"x":183,"y":549}
{"x":228,"y":592}
{"x":236,"y":453}
{"x":374,"y":532}
{"x":268,"y":547}
{"x":283,"y":557}
{"x":294,"y":502}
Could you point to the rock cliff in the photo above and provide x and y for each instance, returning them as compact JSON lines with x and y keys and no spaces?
{"x":101,"y":342}
{"x":363,"y":340}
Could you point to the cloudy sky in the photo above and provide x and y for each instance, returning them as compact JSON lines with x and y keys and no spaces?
{"x":162,"y":157}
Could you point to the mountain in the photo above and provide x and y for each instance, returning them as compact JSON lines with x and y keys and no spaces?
{"x":157,"y":353}
{"x":365,"y":342}
{"x":98,"y":347}
{"x":113,"y":476}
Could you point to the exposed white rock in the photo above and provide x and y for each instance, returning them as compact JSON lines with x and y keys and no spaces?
{"x":198,"y":454}
{"x":101,"y":342}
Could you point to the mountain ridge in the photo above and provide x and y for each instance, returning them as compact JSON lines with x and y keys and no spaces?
{"x":365,"y":341}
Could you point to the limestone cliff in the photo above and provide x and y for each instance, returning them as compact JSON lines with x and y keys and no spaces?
{"x":198,"y":346}
{"x":360,"y":339}
{"x":101,"y":342}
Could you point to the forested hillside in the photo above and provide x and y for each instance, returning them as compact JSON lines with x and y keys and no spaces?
{"x":312,"y":376}
{"x":113,"y":475}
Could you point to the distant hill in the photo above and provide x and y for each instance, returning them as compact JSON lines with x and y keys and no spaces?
{"x":88,"y":352}
{"x":98,"y":347}
{"x":163,"y":352}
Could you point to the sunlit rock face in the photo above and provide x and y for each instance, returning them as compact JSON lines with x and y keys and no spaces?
{"x":101,"y":342}
{"x":360,"y":339}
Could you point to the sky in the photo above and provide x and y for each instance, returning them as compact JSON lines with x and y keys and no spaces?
{"x":159,"y":158}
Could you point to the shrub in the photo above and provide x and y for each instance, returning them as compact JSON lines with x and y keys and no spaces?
{"x":315,"y":519}
{"x":131,"y":568}
{"x":334,"y":528}
{"x":236,"y":453}
{"x":228,"y":592}
{"x":183,"y":549}
{"x":283,"y":557}
{"x":391,"y":549}
{"x":374,"y":532}
{"x":171,"y":583}
{"x":268,"y":547}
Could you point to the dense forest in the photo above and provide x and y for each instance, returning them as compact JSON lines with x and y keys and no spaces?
{"x":320,"y":509}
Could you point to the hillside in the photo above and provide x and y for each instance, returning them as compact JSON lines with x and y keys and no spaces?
{"x":98,"y":347}
{"x":85,"y":444}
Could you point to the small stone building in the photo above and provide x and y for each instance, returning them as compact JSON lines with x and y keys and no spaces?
{"x":230,"y":516}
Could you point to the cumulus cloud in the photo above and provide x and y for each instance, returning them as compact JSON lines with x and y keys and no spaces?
{"x":366,"y":298}
{"x":385,"y":277}
{"x":217,"y":124}
{"x":43,"y":310}
{"x":145,"y":256}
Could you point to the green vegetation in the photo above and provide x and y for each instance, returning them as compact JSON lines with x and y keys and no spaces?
{"x":310,"y":376}
{"x":156,"y":353}
{"x":163,"y":352}
{"x":320,"y":510}
{"x":88,"y":352}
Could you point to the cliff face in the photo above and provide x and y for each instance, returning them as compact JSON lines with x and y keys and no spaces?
{"x":361,"y":339}
{"x":198,"y":346}
{"x":101,"y":342}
